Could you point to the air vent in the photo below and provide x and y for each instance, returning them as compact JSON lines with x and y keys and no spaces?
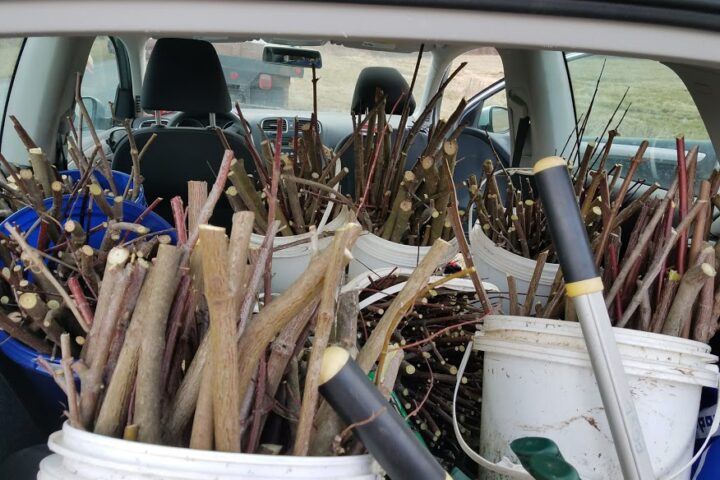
{"x":305,"y":121}
{"x":138,"y":108}
{"x":270,"y":125}
{"x":150,"y":123}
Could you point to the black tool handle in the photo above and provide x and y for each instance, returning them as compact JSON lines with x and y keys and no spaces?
{"x":386,"y":435}
{"x":566,"y":227}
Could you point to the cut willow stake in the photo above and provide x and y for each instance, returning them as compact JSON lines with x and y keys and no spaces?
{"x":654,"y":270}
{"x":72,"y":396}
{"x":339,"y":257}
{"x":454,"y":214}
{"x":203,"y":426}
{"x":681,"y":310}
{"x":148,"y":395}
{"x":534,"y":281}
{"x":152,"y":309}
{"x":704,"y":326}
{"x":221,"y":291}
{"x":97,"y":345}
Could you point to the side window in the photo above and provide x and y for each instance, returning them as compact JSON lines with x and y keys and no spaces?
{"x":484,"y":67}
{"x":100,"y":82}
{"x":9,"y":53}
{"x":659,"y":108}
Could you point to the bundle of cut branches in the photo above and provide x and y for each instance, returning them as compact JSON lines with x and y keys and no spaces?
{"x":53,"y":286}
{"x":400,"y":199}
{"x":205,"y":370}
{"x":30,"y":186}
{"x":654,"y":281}
{"x":309,"y":177}
{"x":143,"y":328}
{"x":50,"y":284}
{"x":510,"y":212}
{"x":427,"y":347}
{"x":175,"y":353}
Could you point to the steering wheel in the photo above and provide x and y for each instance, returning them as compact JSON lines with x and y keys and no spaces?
{"x":183,"y":119}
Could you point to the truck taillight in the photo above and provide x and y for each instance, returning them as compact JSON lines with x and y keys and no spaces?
{"x":265,"y":81}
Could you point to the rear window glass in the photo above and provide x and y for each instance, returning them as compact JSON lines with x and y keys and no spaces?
{"x":257,"y":84}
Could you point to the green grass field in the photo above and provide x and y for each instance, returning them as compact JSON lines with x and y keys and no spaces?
{"x":660,"y":106}
{"x":9,"y":48}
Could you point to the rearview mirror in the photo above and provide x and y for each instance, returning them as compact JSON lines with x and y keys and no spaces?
{"x":295,"y":57}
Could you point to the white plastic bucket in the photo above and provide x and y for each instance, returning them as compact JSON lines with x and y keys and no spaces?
{"x":537,"y":381}
{"x":372,"y":252}
{"x":494,"y":264}
{"x":82,"y":455}
{"x":288,"y":263}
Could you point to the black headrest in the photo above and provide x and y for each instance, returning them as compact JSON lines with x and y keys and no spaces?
{"x":186,"y":76}
{"x":387,"y":79}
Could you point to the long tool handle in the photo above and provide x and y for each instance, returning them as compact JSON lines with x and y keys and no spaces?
{"x":381,"y":429}
{"x":585,"y":287}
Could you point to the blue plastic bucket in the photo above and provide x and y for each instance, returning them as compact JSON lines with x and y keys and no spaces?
{"x":52,"y":397}
{"x":26,"y":218}
{"x":121,"y":180}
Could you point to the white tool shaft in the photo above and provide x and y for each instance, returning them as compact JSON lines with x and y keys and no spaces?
{"x":614,"y":390}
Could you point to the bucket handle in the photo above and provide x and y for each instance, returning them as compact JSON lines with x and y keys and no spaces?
{"x":701,"y":450}
{"x":504,"y":466}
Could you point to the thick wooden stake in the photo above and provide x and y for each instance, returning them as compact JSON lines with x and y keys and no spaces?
{"x":148,"y":395}
{"x":339,"y":258}
{"x":681,"y":310}
{"x":152,"y":309}
{"x":224,"y":354}
{"x":97,"y":344}
{"x":203,"y":425}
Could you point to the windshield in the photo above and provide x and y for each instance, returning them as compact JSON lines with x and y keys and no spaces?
{"x":257,"y":84}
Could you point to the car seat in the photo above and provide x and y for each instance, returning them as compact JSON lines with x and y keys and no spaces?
{"x":395,"y":88}
{"x":186,"y":76}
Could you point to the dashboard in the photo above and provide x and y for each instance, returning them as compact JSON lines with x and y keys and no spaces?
{"x":333,"y":126}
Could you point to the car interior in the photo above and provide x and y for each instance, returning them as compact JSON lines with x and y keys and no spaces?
{"x":184,"y":89}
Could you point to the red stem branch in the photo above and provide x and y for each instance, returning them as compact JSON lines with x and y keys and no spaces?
{"x":178,"y":212}
{"x":79,"y":296}
{"x":682,"y":194}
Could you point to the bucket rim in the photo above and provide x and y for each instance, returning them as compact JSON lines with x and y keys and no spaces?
{"x":685,"y":363}
{"x":145,"y":454}
{"x":500,"y":259}
{"x":496,"y":323}
{"x":705,"y":375}
{"x":340,"y":219}
{"x":394,"y":253}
